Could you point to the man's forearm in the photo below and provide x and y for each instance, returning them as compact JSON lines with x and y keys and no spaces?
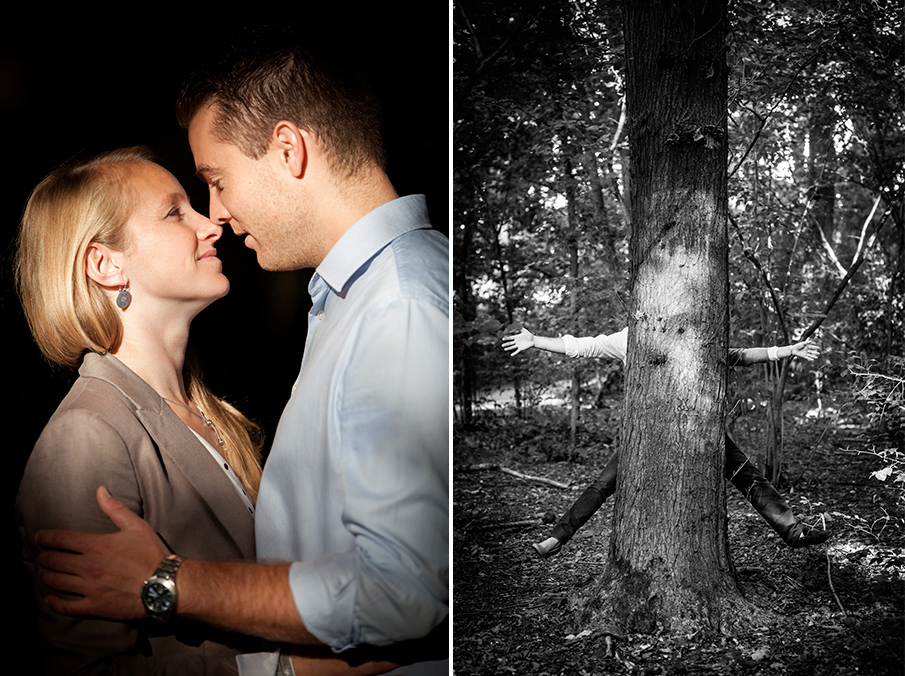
{"x":247,"y":598}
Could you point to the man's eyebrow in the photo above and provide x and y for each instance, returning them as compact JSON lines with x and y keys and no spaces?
{"x":202,"y":172}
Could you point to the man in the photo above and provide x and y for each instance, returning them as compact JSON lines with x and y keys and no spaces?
{"x":738,"y":467}
{"x":353,"y":503}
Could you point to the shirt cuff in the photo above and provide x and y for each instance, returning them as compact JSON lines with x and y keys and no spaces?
{"x":318,"y":592}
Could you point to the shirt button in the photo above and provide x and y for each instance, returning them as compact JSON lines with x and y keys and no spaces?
{"x":320,"y":315}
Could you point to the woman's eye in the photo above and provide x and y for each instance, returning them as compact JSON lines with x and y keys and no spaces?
{"x":175,"y":213}
{"x":215,"y":185}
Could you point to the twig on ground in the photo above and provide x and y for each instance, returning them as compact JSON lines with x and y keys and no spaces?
{"x":500,"y":609}
{"x":747,"y":570}
{"x":829,"y":575}
{"x":508,"y":524}
{"x":512,"y":472}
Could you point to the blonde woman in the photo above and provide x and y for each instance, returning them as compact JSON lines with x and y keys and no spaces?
{"x":112,"y":266}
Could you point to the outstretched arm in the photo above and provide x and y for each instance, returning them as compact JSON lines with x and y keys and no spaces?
{"x":612,"y":346}
{"x":525,"y":340}
{"x":756,"y":355}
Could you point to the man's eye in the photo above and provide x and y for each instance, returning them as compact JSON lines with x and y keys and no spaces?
{"x":215,"y":185}
{"x":175,"y":213}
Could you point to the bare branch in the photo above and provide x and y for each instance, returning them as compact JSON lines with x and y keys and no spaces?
{"x":484,"y":63}
{"x":471,"y":31}
{"x":749,"y":254}
{"x":512,"y":472}
{"x":831,"y":252}
{"x":764,"y":119}
{"x":808,"y":332}
{"x":867,"y":221}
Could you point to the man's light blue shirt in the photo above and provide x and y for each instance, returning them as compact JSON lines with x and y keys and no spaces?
{"x":355,"y":490}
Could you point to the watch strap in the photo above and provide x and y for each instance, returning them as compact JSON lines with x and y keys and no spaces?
{"x":169,"y":566}
{"x":284,"y":666}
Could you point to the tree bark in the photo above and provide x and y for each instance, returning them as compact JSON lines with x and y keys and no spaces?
{"x":669,"y":567}
{"x":572,"y":245}
{"x":464,"y":355}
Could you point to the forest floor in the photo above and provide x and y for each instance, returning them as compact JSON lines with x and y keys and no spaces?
{"x":839,"y":608}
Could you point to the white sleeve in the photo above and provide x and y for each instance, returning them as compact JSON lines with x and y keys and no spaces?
{"x":613,"y":346}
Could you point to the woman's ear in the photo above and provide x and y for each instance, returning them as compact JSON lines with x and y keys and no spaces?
{"x":105,"y":266}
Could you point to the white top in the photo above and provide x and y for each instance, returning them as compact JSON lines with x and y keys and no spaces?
{"x":234,"y":480}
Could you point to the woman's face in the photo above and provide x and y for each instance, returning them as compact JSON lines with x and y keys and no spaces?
{"x":170,"y":259}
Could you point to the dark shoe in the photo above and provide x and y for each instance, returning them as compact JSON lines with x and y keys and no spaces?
{"x":547,"y":548}
{"x":810,"y":536}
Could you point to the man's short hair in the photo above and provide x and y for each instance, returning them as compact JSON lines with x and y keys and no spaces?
{"x":267,"y":76}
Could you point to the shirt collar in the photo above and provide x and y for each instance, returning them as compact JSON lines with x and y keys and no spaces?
{"x":368,"y":236}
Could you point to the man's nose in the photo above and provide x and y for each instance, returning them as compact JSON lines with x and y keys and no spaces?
{"x":218,"y":213}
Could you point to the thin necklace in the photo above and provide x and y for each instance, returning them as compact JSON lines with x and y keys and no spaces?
{"x":200,"y":414}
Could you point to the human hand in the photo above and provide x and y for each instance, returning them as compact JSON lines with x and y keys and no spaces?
{"x":519,"y":342}
{"x":805,"y":350}
{"x":107,"y":570}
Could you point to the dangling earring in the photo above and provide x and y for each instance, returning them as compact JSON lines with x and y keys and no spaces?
{"x":124,"y":298}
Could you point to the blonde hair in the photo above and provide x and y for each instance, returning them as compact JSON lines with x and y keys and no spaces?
{"x":69,"y":314}
{"x":77,"y":204}
{"x":243,"y":440}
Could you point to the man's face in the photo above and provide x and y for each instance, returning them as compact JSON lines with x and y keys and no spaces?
{"x":253,"y":196}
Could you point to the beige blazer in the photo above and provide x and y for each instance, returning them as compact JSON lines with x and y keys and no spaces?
{"x":114,"y":429}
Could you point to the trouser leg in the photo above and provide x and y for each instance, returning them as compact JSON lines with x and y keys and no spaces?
{"x":760,"y":493}
{"x":588,"y":502}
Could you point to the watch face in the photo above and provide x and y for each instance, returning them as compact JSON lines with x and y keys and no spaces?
{"x":158,"y":598}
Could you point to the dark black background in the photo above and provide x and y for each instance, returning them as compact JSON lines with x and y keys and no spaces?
{"x":74,"y":85}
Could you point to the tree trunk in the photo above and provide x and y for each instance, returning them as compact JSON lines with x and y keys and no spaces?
{"x":773,"y":460}
{"x":465,"y":383}
{"x":669,"y":566}
{"x":572,"y":237}
{"x":822,"y":172}
{"x":508,"y":303}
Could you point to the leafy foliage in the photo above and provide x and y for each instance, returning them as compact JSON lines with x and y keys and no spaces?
{"x":882,"y":395}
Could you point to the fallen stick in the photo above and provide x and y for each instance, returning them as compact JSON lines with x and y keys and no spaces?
{"x":512,"y":472}
{"x":829,"y":575}
{"x":508,"y":524}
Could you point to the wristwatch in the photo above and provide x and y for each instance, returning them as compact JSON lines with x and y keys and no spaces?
{"x":158,"y":594}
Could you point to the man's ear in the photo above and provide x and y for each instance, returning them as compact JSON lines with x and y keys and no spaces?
{"x":105,"y":266}
{"x":292,"y":145}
